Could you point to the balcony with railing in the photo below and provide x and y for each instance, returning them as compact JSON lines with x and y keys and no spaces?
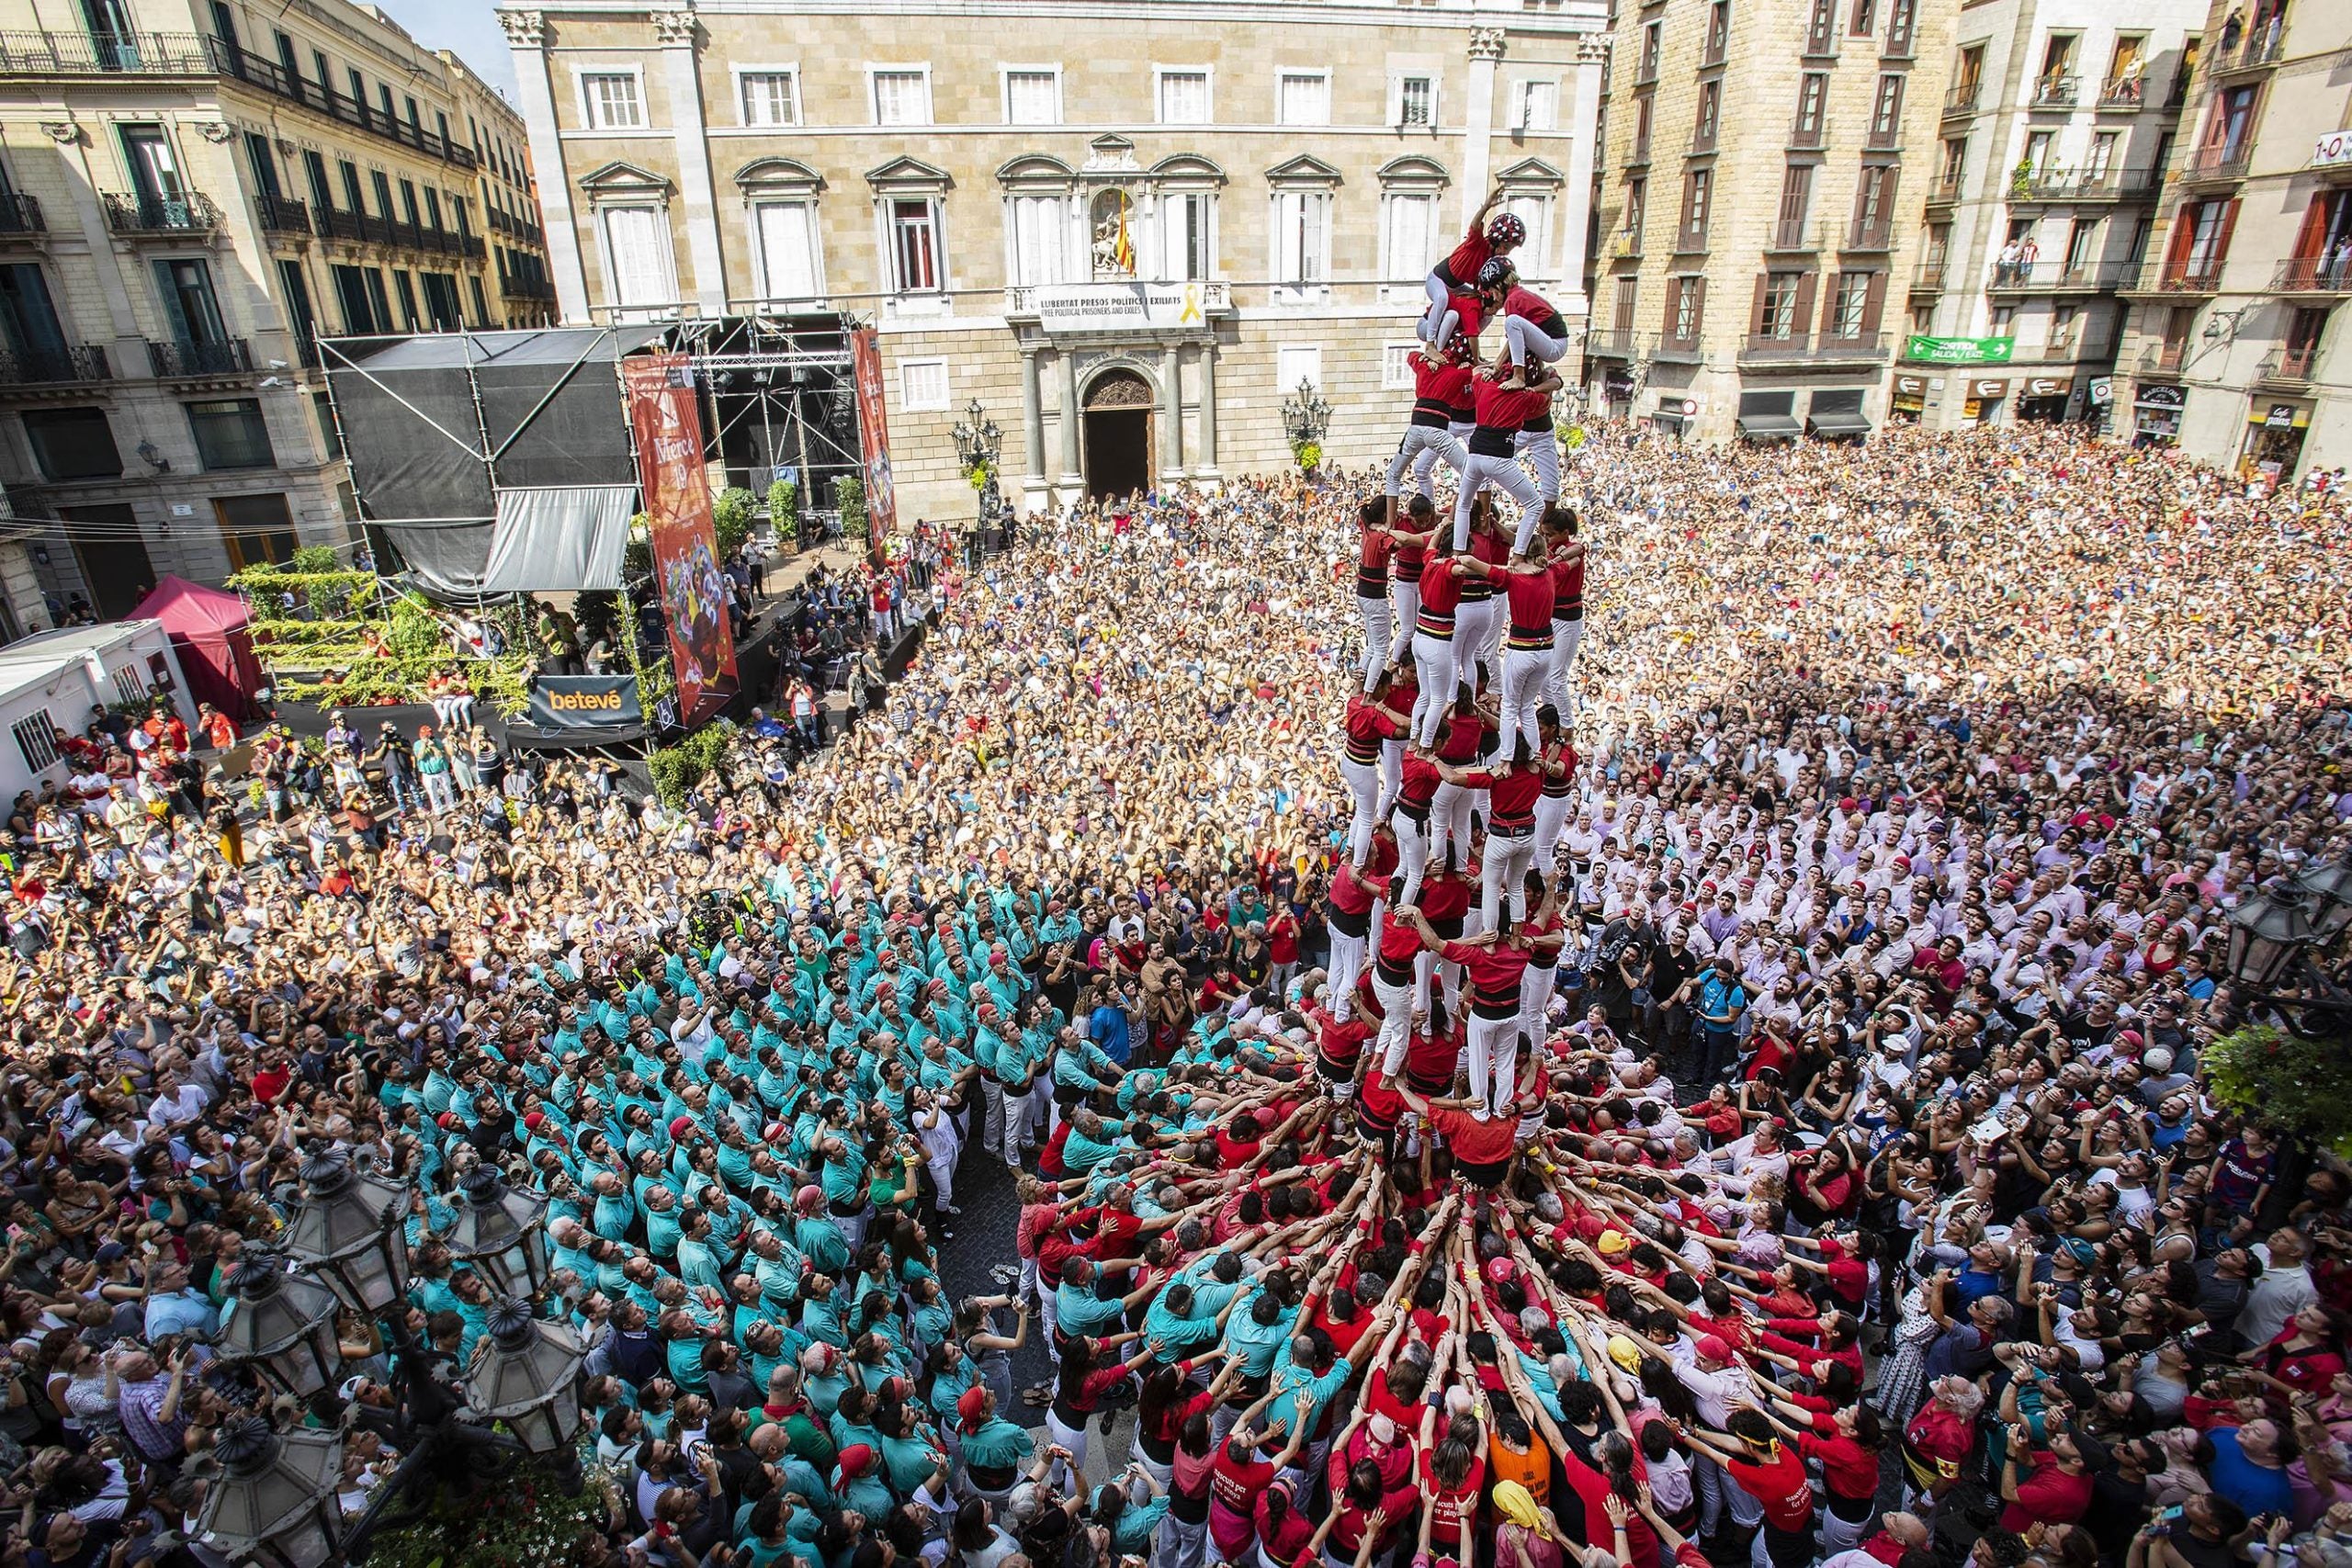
{"x":1928,"y":278}
{"x":526,"y":289}
{"x":169,"y":215}
{"x":21,"y":216}
{"x":2289,"y":365}
{"x":1715,"y":52}
{"x":2127,"y":92}
{"x":253,"y":71}
{"x":2192,"y":276}
{"x":103,"y":54}
{"x":283,"y":215}
{"x":2057,"y":277}
{"x":228,"y":356}
{"x":1944,"y":191}
{"x":2163,"y":358}
{"x":1618,"y":342}
{"x":2220,"y":162}
{"x":55,"y":367}
{"x":1962,"y":98}
{"x":2062,"y":184}
{"x":1702,"y":142}
{"x":368,"y":229}
{"x":1763,"y":348}
{"x":514,"y":228}
{"x":1626,"y":245}
{"x":2057,"y":92}
{"x":1883,"y":138}
{"x":1875,"y":236}
{"x":1678,"y":348}
{"x":2256,"y":51}
{"x":1803,"y":138}
{"x":1639,"y":154}
{"x":1790,"y":238}
{"x":2315,"y":275}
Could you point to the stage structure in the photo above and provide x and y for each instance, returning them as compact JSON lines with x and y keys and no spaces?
{"x":493,"y":464}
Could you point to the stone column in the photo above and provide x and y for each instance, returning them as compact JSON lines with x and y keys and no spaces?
{"x":1204,"y":460}
{"x":708,"y":284}
{"x":1477,"y":136}
{"x":1576,"y":201}
{"x":527,"y":35}
{"x":1171,"y":415}
{"x":1033,"y":434}
{"x":1071,"y":479}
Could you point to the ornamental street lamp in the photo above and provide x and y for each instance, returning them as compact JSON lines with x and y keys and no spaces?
{"x":524,"y":1376}
{"x":347,"y":1229}
{"x":275,"y":1500}
{"x":282,"y":1326}
{"x":2276,"y":936}
{"x":977,"y":442}
{"x":1306,"y":416}
{"x":503,"y":1232}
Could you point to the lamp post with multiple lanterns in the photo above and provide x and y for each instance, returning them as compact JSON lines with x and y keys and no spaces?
{"x":274,"y":1501}
{"x":2276,"y":939}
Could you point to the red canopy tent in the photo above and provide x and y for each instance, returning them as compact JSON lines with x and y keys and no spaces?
{"x":209,"y":631}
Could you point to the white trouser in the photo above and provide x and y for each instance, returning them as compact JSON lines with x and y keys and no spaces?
{"x":1536,"y":1001}
{"x":1392,"y":774}
{"x":1347,"y":963}
{"x":1551,"y":821}
{"x":1179,"y":1544}
{"x":1472,"y":624}
{"x":1494,"y":1061}
{"x":1425,"y":465}
{"x":1450,"y":822}
{"x":943,"y":1175}
{"x":1364,"y":783}
{"x":1542,"y":450}
{"x":1509,"y":856}
{"x":1433,"y":660}
{"x":1524,"y":669}
{"x":1071,"y":1437}
{"x":1395,"y":1025}
{"x":1407,"y":599}
{"x":1842,"y":1535}
{"x":1374,"y":612}
{"x":1412,"y":850}
{"x":1529,"y":341}
{"x":1504,"y":473}
{"x":1566,"y":636}
{"x":1422,"y":439}
{"x":1439,"y":322}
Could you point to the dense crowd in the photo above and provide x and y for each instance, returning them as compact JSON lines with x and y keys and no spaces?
{"x":1796,"y":1151}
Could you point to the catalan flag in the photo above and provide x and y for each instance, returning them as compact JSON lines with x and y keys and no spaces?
{"x":1125,"y":255}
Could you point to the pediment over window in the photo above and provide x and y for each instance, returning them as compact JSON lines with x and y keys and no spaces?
{"x":1187,"y":168}
{"x":908,"y":174}
{"x":780,"y":175}
{"x":1531,"y":172}
{"x":624,"y":179}
{"x":1304,"y":169}
{"x":1038,"y":169}
{"x":1414,"y":170}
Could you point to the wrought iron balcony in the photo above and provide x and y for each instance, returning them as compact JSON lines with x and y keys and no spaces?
{"x":36,"y":367}
{"x":2289,"y":363}
{"x":21,"y":215}
{"x":188,"y":213}
{"x":1963,"y":99}
{"x":229,"y":357}
{"x":283,"y":215}
{"x":2163,"y":358}
{"x":1615,"y":343}
{"x":2059,"y":92}
{"x":2315,"y":275}
{"x":26,"y":53}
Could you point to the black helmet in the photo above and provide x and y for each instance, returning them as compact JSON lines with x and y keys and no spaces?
{"x":1496,"y":273}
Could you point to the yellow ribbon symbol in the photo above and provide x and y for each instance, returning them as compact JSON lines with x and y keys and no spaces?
{"x":1192,"y":305}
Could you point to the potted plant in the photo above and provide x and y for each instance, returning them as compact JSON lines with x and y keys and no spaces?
{"x":784,"y":513}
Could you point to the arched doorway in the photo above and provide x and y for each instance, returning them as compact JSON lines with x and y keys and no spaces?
{"x":1118,"y":435}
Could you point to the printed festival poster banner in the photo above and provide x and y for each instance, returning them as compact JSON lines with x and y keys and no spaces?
{"x":667,"y":420}
{"x":873,"y":437}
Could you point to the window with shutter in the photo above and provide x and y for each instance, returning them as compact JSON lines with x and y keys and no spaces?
{"x":1410,"y":218}
{"x":1032,"y":97}
{"x":1184,"y":250}
{"x":1184,"y":97}
{"x":637,"y":241}
{"x":1038,"y":226}
{"x":768,"y":98}
{"x":1303,"y":97}
{"x":902,"y":97}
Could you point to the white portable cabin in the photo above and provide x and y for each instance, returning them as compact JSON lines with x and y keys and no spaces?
{"x":50,"y":682}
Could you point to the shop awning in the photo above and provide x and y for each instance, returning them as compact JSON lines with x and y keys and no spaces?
{"x":1840,"y":422}
{"x":1768,"y":427}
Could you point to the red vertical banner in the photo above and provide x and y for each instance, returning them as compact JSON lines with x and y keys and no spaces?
{"x":666,"y":418}
{"x":874,"y":438}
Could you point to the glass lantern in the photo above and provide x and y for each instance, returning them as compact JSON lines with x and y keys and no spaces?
{"x":274,"y":1502}
{"x":503,"y":1232}
{"x":2266,"y":932}
{"x":524,"y":1375}
{"x":347,"y":1229}
{"x":283,"y":1325}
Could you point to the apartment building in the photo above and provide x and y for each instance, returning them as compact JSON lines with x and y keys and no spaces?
{"x":1140,"y":223}
{"x":192,"y":192}
{"x":2235,"y":348}
{"x":1755,"y":213}
{"x":2056,"y":128}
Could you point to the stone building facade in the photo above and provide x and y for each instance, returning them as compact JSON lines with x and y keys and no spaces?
{"x":192,"y":192}
{"x":1130,"y":229}
{"x":1759,"y":203}
{"x":2057,"y":126}
{"x":2235,"y":351}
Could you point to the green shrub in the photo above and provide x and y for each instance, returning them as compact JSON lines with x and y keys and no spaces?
{"x":2285,"y":1081}
{"x":783,"y":510}
{"x":677,"y":769}
{"x":731,"y":518}
{"x":849,"y":495}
